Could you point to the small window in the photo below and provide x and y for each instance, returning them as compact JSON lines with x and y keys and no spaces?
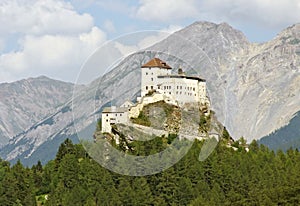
{"x":107,"y":115}
{"x":169,"y":87}
{"x":164,"y":87}
{"x":146,"y":73}
{"x":169,"y":92}
{"x":146,"y":87}
{"x":194,"y":89}
{"x":120,"y":115}
{"x":158,"y":87}
{"x":151,"y":79}
{"x":107,"y":120}
{"x":149,"y":68}
{"x":116,"y":115}
{"x":152,"y":73}
{"x":151,"y":87}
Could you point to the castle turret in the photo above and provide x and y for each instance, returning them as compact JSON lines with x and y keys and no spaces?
{"x":150,"y":71}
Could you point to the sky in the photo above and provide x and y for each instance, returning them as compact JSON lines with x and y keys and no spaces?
{"x":55,"y":37}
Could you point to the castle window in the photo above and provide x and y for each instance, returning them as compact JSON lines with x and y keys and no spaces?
{"x":120,"y":115}
{"x":116,"y":115}
{"x":180,"y":87}
{"x":107,"y":120}
{"x":151,"y":87}
{"x":146,"y":73}
{"x":158,"y":87}
{"x":193,"y":88}
{"x":164,"y":87}
{"x":169,"y":87}
{"x":151,"y":79}
{"x":146,"y":87}
{"x":169,"y":92}
{"x":107,"y":115}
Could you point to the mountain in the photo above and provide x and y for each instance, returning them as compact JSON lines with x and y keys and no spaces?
{"x":254,"y":88}
{"x":25,"y":102}
{"x":284,"y":138}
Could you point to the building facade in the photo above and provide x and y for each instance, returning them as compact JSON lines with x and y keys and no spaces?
{"x":158,"y":81}
{"x":113,"y":115}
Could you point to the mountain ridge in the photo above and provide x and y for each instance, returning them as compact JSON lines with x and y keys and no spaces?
{"x":25,"y":102}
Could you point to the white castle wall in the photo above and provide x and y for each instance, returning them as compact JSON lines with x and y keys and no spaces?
{"x":183,"y":90}
{"x":113,"y":117}
{"x":149,"y":79}
{"x":173,"y":89}
{"x":156,"y":97}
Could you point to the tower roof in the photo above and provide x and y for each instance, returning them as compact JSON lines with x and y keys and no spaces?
{"x":156,"y":62}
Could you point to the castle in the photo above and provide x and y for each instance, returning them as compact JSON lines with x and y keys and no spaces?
{"x":157,"y":84}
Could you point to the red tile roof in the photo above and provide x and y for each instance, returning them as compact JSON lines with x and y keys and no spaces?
{"x":156,"y":62}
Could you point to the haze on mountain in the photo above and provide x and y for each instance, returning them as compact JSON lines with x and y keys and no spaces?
{"x":254,"y":88}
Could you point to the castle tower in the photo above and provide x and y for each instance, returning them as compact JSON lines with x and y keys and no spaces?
{"x":150,"y":71}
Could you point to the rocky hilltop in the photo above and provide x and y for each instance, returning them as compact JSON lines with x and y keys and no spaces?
{"x":254,"y":88}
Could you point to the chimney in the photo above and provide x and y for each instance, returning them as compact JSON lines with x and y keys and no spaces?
{"x":180,"y":71}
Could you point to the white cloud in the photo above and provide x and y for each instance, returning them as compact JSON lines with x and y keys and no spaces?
{"x":109,"y":26}
{"x":53,"y":39}
{"x":264,"y":13}
{"x":166,"y":10}
{"x":41,"y":17}
{"x":57,"y":56}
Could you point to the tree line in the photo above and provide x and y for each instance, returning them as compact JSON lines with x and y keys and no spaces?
{"x":226,"y":177}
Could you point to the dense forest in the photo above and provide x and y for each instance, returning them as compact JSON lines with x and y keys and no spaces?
{"x":227,"y":177}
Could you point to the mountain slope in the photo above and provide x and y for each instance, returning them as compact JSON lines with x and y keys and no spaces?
{"x":285,"y":137}
{"x":25,"y":102}
{"x":254,"y":88}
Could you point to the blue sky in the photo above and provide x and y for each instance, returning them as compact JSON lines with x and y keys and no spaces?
{"x":55,"y":37}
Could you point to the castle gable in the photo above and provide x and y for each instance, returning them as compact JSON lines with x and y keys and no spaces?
{"x":156,"y":62}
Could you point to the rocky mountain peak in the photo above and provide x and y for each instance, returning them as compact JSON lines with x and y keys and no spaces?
{"x":26,"y":101}
{"x":290,"y":35}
